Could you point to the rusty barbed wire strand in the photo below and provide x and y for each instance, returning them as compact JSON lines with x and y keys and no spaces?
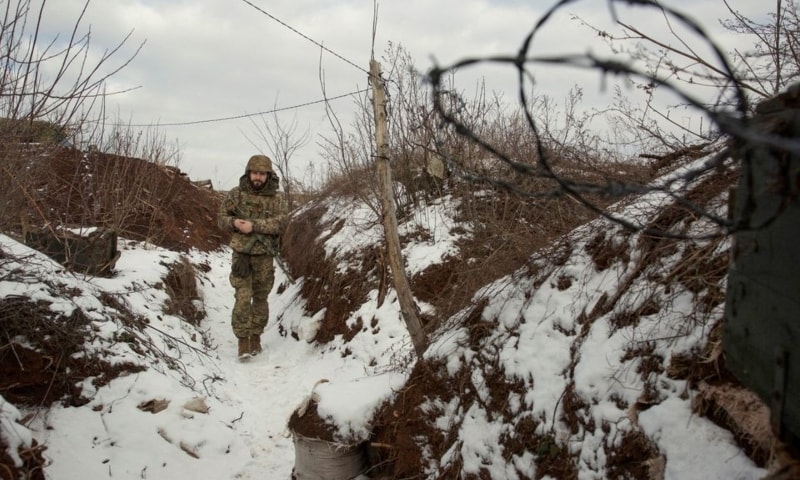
{"x":265,"y":112}
{"x":247,"y":115}
{"x":281,"y":22}
{"x":736,"y":125}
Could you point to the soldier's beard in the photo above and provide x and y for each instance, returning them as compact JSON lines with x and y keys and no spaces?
{"x":257,"y":184}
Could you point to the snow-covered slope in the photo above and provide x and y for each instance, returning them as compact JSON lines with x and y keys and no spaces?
{"x":575,"y":366}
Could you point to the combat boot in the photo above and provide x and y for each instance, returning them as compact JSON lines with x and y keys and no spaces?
{"x":244,"y":348}
{"x":255,"y":344}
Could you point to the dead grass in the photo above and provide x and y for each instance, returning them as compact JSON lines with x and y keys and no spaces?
{"x":723,"y":400}
{"x":44,"y":359}
{"x":400,"y":425}
{"x":137,"y":199}
{"x":181,"y":286}
{"x":673,"y":159}
{"x":606,"y":250}
{"x":702,"y":267}
{"x":630,"y":317}
{"x":406,"y":432}
{"x":506,"y":231}
{"x":33,"y":463}
{"x":324,"y":287}
{"x":48,"y":372}
{"x":635,"y":457}
{"x":741,"y":411}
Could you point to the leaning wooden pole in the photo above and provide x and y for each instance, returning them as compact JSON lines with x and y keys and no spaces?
{"x":396,"y":262}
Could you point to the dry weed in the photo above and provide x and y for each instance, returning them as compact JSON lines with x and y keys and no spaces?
{"x":181,"y":286}
{"x":741,"y":411}
{"x":137,"y":199}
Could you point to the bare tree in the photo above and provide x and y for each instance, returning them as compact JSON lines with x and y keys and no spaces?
{"x":282,"y":141}
{"x":769,"y":67}
{"x":50,"y":94}
{"x":52,"y":98}
{"x":349,"y":155}
{"x":774,"y":62}
{"x":51,"y":81}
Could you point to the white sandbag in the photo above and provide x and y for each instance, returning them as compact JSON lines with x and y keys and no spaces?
{"x":316,"y":459}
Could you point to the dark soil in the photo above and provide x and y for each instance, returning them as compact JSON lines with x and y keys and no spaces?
{"x":46,"y":373}
{"x":161,"y":206}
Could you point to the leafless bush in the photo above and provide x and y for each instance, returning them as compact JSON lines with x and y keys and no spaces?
{"x":138,"y":199}
{"x":350,"y":154}
{"x":48,"y":93}
{"x":47,"y":90}
{"x":507,"y":227}
{"x":49,"y":80}
{"x":676,"y":70}
{"x":62,"y":165}
{"x":770,"y":66}
{"x":126,"y":141}
{"x":282,"y":140}
{"x":566,"y":183}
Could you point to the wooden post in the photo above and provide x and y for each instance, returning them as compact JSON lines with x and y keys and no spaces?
{"x":396,"y":262}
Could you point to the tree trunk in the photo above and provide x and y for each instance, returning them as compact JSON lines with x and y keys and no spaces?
{"x":396,"y":262}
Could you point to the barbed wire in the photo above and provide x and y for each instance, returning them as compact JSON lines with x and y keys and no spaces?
{"x":281,"y":22}
{"x":266,"y":112}
{"x":319,"y":44}
{"x":735,"y":125}
{"x":247,"y":115}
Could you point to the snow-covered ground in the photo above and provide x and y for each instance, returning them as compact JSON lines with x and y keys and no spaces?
{"x":242,"y":434}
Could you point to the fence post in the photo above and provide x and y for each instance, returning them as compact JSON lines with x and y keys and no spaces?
{"x":396,"y":262}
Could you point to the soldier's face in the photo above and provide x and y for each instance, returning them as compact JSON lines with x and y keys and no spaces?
{"x":258,"y":179}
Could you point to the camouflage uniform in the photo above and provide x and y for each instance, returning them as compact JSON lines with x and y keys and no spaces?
{"x":253,"y":273}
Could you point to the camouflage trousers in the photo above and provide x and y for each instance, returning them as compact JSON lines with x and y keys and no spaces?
{"x":251,"y":307}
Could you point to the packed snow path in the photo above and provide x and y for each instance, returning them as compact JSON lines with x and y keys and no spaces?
{"x":270,"y":386}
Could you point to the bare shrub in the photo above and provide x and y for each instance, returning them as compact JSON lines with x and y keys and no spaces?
{"x":138,"y":199}
{"x":282,"y":140}
{"x":48,"y":90}
{"x":48,"y":102}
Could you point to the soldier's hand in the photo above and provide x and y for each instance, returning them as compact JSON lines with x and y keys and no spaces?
{"x":244,"y":226}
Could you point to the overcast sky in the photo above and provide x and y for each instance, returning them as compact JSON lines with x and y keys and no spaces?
{"x":207,"y":60}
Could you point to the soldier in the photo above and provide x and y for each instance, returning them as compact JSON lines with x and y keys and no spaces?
{"x":255,"y":213}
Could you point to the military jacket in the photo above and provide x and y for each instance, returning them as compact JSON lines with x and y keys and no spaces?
{"x":265,"y":208}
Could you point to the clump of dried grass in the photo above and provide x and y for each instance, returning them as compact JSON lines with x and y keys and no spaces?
{"x":181,"y":286}
{"x":743,"y":413}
